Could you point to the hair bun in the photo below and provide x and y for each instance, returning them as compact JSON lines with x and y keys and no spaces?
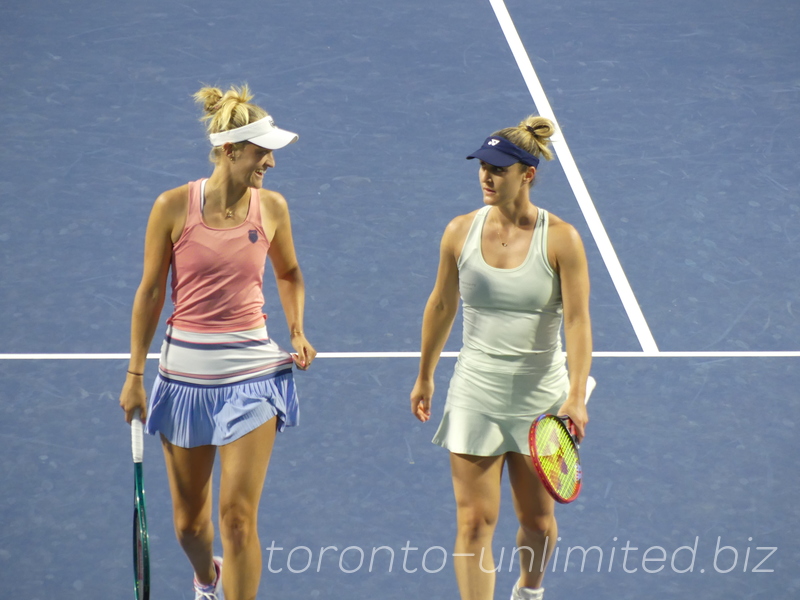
{"x":532,"y":134}
{"x":210,"y":98}
{"x":539,"y":127}
{"x":227,"y":110}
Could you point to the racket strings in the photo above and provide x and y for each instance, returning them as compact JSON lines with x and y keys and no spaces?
{"x":558,"y":457}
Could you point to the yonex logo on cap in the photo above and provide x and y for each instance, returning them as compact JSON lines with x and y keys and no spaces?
{"x":500,"y":152}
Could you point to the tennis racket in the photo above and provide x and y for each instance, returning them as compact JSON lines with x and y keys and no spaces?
{"x":141,"y":558}
{"x":554,"y":452}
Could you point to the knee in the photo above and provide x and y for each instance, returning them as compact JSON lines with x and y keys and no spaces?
{"x":474,"y":523}
{"x":237,"y":524}
{"x":538,"y":525}
{"x":191,"y":527}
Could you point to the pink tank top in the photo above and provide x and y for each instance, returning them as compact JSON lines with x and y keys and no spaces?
{"x":217,"y":274}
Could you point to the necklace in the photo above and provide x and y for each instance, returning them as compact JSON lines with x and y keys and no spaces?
{"x":499,"y":239}
{"x":229,"y":213}
{"x":497,"y":232}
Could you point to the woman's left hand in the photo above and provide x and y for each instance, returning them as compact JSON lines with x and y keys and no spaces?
{"x":305,"y":351}
{"x":576,"y":411}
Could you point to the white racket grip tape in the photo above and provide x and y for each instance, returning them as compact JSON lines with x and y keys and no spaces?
{"x":137,"y":438}
{"x":590,"y":385}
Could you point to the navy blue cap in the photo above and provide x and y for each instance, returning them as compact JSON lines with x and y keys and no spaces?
{"x":499,"y":152}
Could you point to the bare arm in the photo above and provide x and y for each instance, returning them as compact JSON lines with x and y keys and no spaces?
{"x":437,"y":319}
{"x":288,"y":277}
{"x":149,"y":299}
{"x":569,"y":259}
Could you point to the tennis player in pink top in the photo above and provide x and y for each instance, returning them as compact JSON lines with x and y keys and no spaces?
{"x":222,"y":382}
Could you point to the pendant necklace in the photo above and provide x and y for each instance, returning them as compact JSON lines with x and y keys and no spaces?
{"x":499,"y":239}
{"x":229,"y":211}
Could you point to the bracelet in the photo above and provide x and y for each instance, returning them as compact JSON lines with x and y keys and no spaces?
{"x":139,"y":374}
{"x":296,"y":332}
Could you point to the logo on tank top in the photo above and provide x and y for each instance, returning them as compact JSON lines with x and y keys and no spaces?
{"x":252,"y":235}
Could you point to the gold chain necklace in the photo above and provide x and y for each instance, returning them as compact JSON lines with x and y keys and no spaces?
{"x":497,"y":231}
{"x":502,"y":243}
{"x":230,"y":213}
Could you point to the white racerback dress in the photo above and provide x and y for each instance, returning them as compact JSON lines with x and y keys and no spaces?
{"x":511,"y":367}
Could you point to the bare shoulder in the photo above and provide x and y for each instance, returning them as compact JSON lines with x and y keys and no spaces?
{"x":168,"y":214}
{"x":564,"y":245}
{"x":462,"y":222}
{"x":558,"y":230}
{"x":171,"y":206}
{"x":456,"y":231}
{"x":273,"y":203}
{"x":174,"y":199}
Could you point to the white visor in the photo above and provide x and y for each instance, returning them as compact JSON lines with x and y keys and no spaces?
{"x":261,"y":133}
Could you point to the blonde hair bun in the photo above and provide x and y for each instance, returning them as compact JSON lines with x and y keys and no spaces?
{"x":227,"y":110}
{"x":532,"y":134}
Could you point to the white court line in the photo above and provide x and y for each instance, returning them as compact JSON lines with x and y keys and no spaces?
{"x":351,"y":355}
{"x":632,"y":308}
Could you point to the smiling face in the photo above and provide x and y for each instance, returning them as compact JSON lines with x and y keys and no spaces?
{"x":250,"y":164}
{"x":501,"y":185}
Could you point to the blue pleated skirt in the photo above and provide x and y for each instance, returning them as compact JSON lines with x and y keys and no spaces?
{"x":213,"y":389}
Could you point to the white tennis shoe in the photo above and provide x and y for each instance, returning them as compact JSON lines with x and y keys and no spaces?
{"x":519,"y":593}
{"x":210,"y":592}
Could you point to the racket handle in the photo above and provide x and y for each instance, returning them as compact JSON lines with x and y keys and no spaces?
{"x":137,"y":438}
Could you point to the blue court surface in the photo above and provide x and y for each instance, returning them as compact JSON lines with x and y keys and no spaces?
{"x":678,"y":165}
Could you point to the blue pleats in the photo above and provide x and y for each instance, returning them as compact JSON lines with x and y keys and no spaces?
{"x":194,"y":415}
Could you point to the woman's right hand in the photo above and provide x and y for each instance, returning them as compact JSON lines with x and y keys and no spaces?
{"x":133,"y":398}
{"x":421,"y":399}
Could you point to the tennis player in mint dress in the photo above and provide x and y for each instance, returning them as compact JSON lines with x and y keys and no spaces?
{"x":520,"y":273}
{"x":223,"y":385}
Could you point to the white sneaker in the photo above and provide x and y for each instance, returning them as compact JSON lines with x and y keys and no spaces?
{"x":519,"y":593}
{"x":213,"y":591}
